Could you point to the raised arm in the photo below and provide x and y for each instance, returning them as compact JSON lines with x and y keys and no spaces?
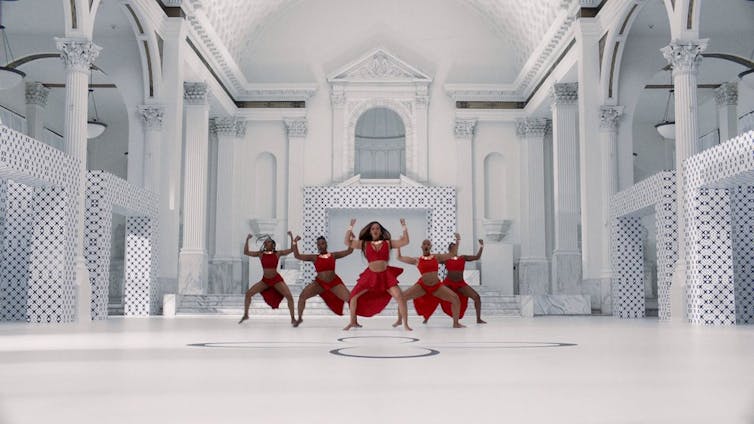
{"x":442,"y":257}
{"x":296,"y":253}
{"x":343,"y":253}
{"x":404,"y":238}
{"x":478,"y":255}
{"x":406,"y":259}
{"x":351,"y":241}
{"x":249,"y":252}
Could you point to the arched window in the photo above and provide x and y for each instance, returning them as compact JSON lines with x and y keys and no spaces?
{"x":380,"y":144}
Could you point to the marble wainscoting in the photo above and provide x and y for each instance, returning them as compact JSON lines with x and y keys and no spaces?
{"x":562,"y":304}
{"x":600,"y":294}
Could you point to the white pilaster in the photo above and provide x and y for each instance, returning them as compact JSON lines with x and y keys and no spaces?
{"x":726,"y":98}
{"x":152,"y":118}
{"x":338,"y":102}
{"x":192,"y":264}
{"x":36,"y":100}
{"x":422,"y":138}
{"x":566,"y":258}
{"x":296,"y":130}
{"x":533,"y":268}
{"x":78,"y":55}
{"x":685,"y":57}
{"x":464,"y":134}
{"x":609,"y":118}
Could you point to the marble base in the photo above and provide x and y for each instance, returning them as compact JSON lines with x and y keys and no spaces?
{"x":168,"y":306}
{"x":533,"y":276}
{"x":225,"y":277}
{"x":497,"y":267}
{"x":600,"y":294}
{"x":192,"y":272}
{"x":566,"y":273}
{"x":678,"y":295}
{"x":526,"y":306}
{"x":562,"y":304}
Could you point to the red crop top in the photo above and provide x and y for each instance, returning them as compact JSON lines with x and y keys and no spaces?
{"x":377,"y":255}
{"x":455,"y":264}
{"x":269,"y":260}
{"x":427,"y":265}
{"x":326,"y":263}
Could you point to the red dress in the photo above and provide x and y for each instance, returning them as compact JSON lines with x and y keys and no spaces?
{"x":271,"y":296}
{"x":375,"y":284}
{"x":455,"y":264}
{"x":327,"y":263}
{"x":425,"y":305}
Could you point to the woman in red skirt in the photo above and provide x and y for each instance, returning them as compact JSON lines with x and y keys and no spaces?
{"x":327,"y":284}
{"x":379,"y":282}
{"x":454,"y":280}
{"x":428,"y":291}
{"x":271,"y":286}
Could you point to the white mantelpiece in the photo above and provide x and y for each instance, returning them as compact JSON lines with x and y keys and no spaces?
{"x":379,"y":79}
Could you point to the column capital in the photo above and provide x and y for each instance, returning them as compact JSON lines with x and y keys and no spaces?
{"x":532,"y":127}
{"x":684,"y":55}
{"x":726,"y":94}
{"x":77,"y":53}
{"x":338,"y":97}
{"x":566,"y":93}
{"x":296,"y":127}
{"x":465,"y":128}
{"x":609,"y":117}
{"x":195,"y":93}
{"x":223,"y":125}
{"x":151,"y":115}
{"x":240,"y":128}
{"x":36,"y":93}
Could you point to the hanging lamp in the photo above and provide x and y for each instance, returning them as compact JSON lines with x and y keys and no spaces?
{"x":9,"y":77}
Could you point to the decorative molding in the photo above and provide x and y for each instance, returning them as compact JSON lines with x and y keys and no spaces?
{"x":482,"y":92}
{"x":609,"y":117}
{"x":379,"y":65}
{"x":223,"y":125}
{"x":727,"y":94}
{"x":338,"y":97}
{"x":151,"y":116}
{"x":240,"y":127}
{"x":532,"y":127}
{"x":270,"y":92}
{"x":464,"y":128}
{"x":195,"y":93}
{"x":685,"y":55}
{"x":36,"y":93}
{"x":564,"y":93}
{"x":296,"y":127}
{"x":77,"y":54}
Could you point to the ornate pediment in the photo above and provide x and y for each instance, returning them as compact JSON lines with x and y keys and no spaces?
{"x":379,"y":66}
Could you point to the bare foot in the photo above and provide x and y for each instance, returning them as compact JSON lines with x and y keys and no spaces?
{"x":397,"y":323}
{"x":349,"y":326}
{"x":357,"y":325}
{"x":458,"y":325}
{"x":243,"y":318}
{"x":407,"y":328}
{"x":296,"y":322}
{"x":479,"y":321}
{"x":425,"y":321}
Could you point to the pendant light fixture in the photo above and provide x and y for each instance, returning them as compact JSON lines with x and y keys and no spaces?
{"x":9,"y":77}
{"x":94,"y":128}
{"x":666,"y":128}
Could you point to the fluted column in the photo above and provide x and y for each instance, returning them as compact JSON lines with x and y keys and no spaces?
{"x":726,"y":98}
{"x":566,"y":258}
{"x":192,"y":262}
{"x":464,"y":134}
{"x":609,"y":118}
{"x":225,"y":268}
{"x":78,"y":55}
{"x":685,"y":57}
{"x":36,"y":100}
{"x":534,"y":278}
{"x":338,"y":101}
{"x":152,"y":118}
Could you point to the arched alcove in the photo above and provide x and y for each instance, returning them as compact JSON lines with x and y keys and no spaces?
{"x":380,"y":144}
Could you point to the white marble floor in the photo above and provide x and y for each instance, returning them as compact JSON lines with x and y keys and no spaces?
{"x":513,"y":370}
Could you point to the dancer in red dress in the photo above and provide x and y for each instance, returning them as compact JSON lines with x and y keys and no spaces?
{"x":327,"y":284}
{"x":428,"y":291}
{"x":454,"y":280}
{"x":379,"y":282}
{"x":271,"y":286}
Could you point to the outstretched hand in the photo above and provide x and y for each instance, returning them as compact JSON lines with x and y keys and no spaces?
{"x":481,"y":242}
{"x":403,"y":222}
{"x":353,"y":221}
{"x":297,"y":239}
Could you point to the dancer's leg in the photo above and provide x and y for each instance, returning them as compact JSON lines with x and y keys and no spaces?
{"x":256,"y":288}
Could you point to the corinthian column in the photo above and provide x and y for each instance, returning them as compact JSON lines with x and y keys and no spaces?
{"x":192,"y":262}
{"x":534,"y":276}
{"x":609,"y":118}
{"x":566,"y":258}
{"x":152,"y":117}
{"x":726,"y":98}
{"x":78,"y":55}
{"x":36,"y":100}
{"x":464,"y":135}
{"x":684,"y":56}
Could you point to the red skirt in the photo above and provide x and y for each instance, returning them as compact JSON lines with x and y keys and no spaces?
{"x":426,"y":304}
{"x":333,"y":302}
{"x":270,"y":295}
{"x":375,"y":284}
{"x":455,"y":286}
